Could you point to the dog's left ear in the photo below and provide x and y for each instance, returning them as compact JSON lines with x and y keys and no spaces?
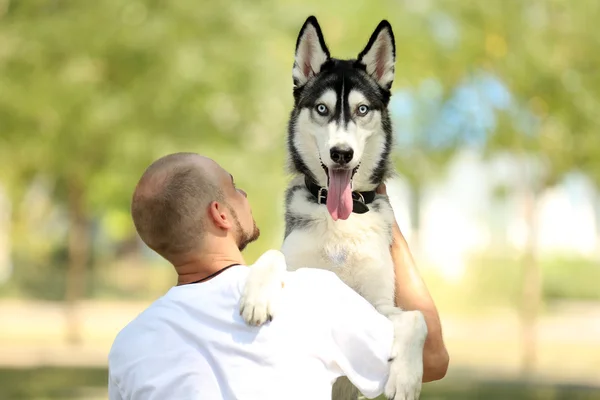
{"x":379,"y":56}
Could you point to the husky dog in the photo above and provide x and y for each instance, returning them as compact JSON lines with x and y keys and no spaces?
{"x":339,"y":142}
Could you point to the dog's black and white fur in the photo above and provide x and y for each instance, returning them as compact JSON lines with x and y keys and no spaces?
{"x":340,"y":125}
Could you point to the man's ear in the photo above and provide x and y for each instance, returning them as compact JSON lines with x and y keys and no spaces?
{"x":311,"y":52}
{"x":220,"y":218}
{"x":379,"y":55}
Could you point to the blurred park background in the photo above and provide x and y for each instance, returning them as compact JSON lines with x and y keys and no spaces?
{"x":496,"y":108}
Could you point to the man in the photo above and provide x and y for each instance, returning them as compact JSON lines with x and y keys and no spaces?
{"x":192,"y":343}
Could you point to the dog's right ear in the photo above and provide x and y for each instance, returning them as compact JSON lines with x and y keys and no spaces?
{"x":311,"y":52}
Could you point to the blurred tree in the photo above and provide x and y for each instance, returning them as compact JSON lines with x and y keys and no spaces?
{"x":539,"y":60}
{"x":92,"y":92}
{"x":544,"y":52}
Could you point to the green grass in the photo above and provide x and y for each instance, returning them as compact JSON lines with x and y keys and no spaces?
{"x":51,"y":383}
{"x":505,"y":390}
{"x":90,"y":383}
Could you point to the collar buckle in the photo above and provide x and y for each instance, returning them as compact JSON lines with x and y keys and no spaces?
{"x":320,"y":196}
{"x":360,"y":197}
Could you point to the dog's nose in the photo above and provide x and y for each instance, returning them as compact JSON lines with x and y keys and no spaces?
{"x":341,"y":155}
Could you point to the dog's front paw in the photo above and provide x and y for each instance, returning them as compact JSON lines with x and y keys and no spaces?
{"x":262,"y":290}
{"x":405,"y":380}
{"x":406,"y":366}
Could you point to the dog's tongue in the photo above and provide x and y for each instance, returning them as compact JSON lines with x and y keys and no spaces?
{"x":339,"y":194}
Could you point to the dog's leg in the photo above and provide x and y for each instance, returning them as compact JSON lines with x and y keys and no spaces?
{"x":406,"y":362}
{"x":374,"y":279}
{"x":263,"y":287}
{"x":410,"y":332}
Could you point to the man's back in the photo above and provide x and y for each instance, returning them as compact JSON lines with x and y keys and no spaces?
{"x":193,"y":344}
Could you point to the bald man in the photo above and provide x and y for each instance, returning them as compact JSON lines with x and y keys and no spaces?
{"x":192,"y":343}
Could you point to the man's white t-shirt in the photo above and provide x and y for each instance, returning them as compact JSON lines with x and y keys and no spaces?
{"x":192,"y":343}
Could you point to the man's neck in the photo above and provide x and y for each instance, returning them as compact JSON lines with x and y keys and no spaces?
{"x":202,"y":266}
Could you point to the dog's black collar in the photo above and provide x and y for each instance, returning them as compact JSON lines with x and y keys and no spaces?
{"x":359,"y":199}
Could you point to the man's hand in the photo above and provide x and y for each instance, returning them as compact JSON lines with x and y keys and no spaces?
{"x":412,"y":294}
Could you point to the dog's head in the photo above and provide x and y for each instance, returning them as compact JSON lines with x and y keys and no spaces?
{"x":340,"y":132}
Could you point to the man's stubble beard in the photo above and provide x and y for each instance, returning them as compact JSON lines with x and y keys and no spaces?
{"x":244,"y":238}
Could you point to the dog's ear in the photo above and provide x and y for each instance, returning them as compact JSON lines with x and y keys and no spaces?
{"x":311,"y":52}
{"x":379,"y":56}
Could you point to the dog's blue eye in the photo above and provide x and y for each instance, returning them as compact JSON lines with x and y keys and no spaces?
{"x":363,"y":110}
{"x":322,"y":109}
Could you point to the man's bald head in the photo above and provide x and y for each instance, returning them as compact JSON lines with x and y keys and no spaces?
{"x":169,"y":206}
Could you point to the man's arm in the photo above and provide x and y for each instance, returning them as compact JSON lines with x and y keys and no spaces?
{"x":376,"y":353}
{"x":412,"y":294}
{"x":358,"y":339}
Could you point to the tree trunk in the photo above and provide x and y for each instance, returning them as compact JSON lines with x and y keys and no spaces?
{"x":415,"y":215}
{"x":532,"y":286}
{"x":596,"y":206}
{"x":5,"y":254}
{"x":79,"y":243}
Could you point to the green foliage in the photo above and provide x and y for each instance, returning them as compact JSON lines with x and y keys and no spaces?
{"x":109,"y":86}
{"x":495,"y":279}
{"x":93,"y":92}
{"x":96,"y":91}
{"x":571,"y":278}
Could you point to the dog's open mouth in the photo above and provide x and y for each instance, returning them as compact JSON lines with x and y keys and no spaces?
{"x":339,"y":191}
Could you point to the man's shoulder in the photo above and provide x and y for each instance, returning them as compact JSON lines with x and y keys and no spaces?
{"x":315,"y":280}
{"x":314,"y":275}
{"x":141,"y":329}
{"x":326,"y":290}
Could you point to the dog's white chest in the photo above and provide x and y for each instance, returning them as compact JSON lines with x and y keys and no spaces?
{"x":337,"y":255}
